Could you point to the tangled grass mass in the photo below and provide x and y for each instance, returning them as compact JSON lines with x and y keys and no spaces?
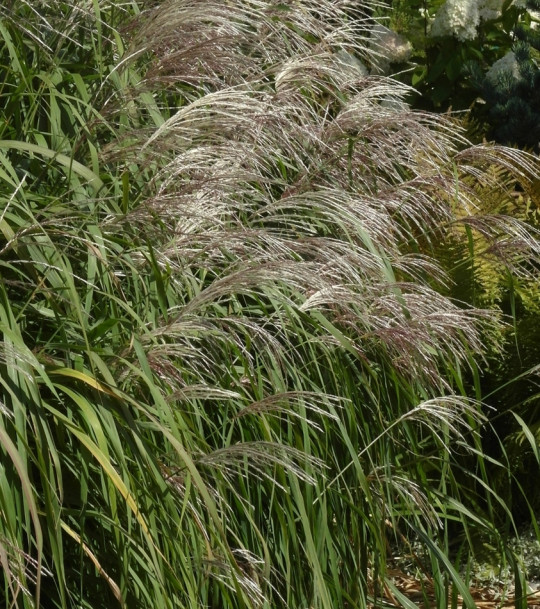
{"x":235,"y":370}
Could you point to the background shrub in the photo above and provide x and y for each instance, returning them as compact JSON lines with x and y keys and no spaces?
{"x":481,"y":56}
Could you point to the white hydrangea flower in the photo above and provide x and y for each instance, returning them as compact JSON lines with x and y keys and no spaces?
{"x":507,"y":65}
{"x":389,"y":46}
{"x":490,"y":9}
{"x":459,"y":18}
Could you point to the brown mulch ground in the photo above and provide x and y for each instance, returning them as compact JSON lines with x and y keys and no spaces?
{"x":418,"y":591}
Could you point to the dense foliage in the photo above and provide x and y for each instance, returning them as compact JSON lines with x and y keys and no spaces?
{"x":478,"y":55}
{"x":232,"y":370}
{"x":483,"y":56}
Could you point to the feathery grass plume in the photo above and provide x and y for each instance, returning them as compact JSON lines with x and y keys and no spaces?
{"x":386,"y":169}
{"x":220,"y":280}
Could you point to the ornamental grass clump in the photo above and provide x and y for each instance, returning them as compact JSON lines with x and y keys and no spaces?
{"x":231,"y":373}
